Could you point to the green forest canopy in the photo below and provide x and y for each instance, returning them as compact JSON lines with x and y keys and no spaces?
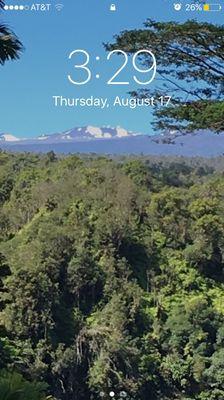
{"x":111,"y":277}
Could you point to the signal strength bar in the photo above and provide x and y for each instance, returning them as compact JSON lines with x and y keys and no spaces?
{"x":14,"y":7}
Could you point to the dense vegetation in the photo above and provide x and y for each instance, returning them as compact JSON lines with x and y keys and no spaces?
{"x":111,"y":278}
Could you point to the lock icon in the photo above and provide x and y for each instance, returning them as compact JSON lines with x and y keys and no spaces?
{"x":112,"y":7}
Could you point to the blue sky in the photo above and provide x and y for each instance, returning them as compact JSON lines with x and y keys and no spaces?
{"x":27,"y":85}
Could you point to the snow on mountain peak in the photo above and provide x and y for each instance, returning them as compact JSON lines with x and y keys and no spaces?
{"x":94,"y":131}
{"x":88,"y":132}
{"x":122,"y":132}
{"x":6,"y":137}
{"x":84,"y":133}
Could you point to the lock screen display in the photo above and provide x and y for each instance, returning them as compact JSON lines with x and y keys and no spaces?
{"x":111,"y":200}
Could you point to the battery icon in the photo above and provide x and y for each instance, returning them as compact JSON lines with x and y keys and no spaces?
{"x":212,"y":7}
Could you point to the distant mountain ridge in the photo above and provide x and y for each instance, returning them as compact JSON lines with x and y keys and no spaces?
{"x":108,"y":140}
{"x":88,"y":133}
{"x":79,"y":133}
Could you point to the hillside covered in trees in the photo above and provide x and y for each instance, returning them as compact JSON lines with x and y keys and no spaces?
{"x":111,"y":278}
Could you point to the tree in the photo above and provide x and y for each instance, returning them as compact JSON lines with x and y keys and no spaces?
{"x":190,"y":67}
{"x":14,"y":386}
{"x":10,"y":45}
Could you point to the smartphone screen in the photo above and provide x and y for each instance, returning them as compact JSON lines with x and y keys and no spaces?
{"x":111,"y":200}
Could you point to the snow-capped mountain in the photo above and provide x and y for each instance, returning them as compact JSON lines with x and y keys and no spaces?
{"x":75,"y":134}
{"x":6,"y":137}
{"x":87,"y":133}
{"x":108,"y":140}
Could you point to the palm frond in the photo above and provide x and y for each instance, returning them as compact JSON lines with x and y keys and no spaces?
{"x":10,"y":45}
{"x":14,"y":387}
